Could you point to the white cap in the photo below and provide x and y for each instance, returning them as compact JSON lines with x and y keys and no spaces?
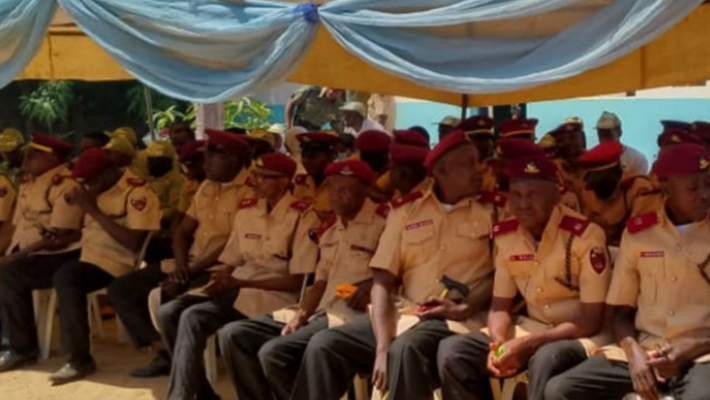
{"x":574,"y":119}
{"x":449,"y":121}
{"x":278,"y":129}
{"x":356,"y":107}
{"x":608,"y":121}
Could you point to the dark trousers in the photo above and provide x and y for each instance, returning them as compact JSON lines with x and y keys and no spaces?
{"x":261,"y":363}
{"x":129,"y":297}
{"x":601,"y":379}
{"x":463,"y":366}
{"x":185,"y":325}
{"x":334,"y":356}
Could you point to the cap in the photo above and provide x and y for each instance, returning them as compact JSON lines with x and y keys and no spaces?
{"x":671,"y":125}
{"x":279,"y":129}
{"x":682,"y":159}
{"x":449,"y":142}
{"x":90,"y":164}
{"x":575,"y":119}
{"x":531,"y":167}
{"x":160,"y":148}
{"x":355,"y":106}
{"x":125,"y":133}
{"x":700,"y":128}
{"x":356,"y":168}
{"x":228,"y":141}
{"x":511,"y":148}
{"x":10,"y":140}
{"x":515,"y":127}
{"x":477,"y":125}
{"x":277,"y":163}
{"x":603,"y":156}
{"x":547,"y":142}
{"x":408,"y":154}
{"x":262,"y":135}
{"x":410,"y":137}
{"x":673,"y":136}
{"x":192,"y":149}
{"x":568,"y":127}
{"x":449,"y":121}
{"x":121,"y":145}
{"x":371,"y":141}
{"x":608,"y":121}
{"x":327,"y":137}
{"x":49,"y":144}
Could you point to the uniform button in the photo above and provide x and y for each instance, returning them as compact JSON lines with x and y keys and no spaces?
{"x":537,"y":263}
{"x":268,"y":238}
{"x":679,"y":247}
{"x":547,"y":306}
{"x":671,"y":313}
{"x":443,"y":248}
{"x":674,"y":279}
{"x":539,"y":290}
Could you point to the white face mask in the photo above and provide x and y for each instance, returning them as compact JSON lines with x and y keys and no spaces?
{"x":682,"y":229}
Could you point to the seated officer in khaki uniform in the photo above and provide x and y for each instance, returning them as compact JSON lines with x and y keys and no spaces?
{"x":318,"y":150}
{"x":661,"y":293}
{"x":11,"y":142}
{"x":269,"y":252}
{"x":610,"y":195}
{"x":263,"y":355}
{"x":46,"y":237}
{"x":557,"y":260}
{"x":407,"y":172}
{"x":439,"y":247}
{"x":373,"y":149}
{"x":570,"y":144}
{"x":197,"y":242}
{"x":192,"y":159}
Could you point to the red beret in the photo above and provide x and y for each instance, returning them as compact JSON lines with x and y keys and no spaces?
{"x":510,"y":148}
{"x":50,"y":144}
{"x":449,"y":142}
{"x":227,"y":140}
{"x":514,"y":127}
{"x":90,"y":164}
{"x":531,"y":167}
{"x":675,"y":136}
{"x":354,"y":168}
{"x":603,"y":156}
{"x":682,"y":159}
{"x":702,"y":130}
{"x":277,"y":162}
{"x":369,"y":141}
{"x":477,"y":125}
{"x":669,"y":125}
{"x":568,"y":127}
{"x":407,"y":153}
{"x":191,"y":149}
{"x":318,"y":137}
{"x":410,"y":137}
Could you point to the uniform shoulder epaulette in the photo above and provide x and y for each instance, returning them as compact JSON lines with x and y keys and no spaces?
{"x":325,"y":225}
{"x":383,"y":210}
{"x":25,"y":178}
{"x":574,"y":225}
{"x":405,"y":199}
{"x":59,"y":178}
{"x":629,"y":182}
{"x":136,"y":182}
{"x":301,"y":205}
{"x":249,"y":182}
{"x":300,"y":179}
{"x":248,"y":203}
{"x":504,"y":227}
{"x":497,"y":198}
{"x":642,"y":222}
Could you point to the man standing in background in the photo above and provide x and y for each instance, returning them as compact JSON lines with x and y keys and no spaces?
{"x":383,"y":110}
{"x":632,"y":160}
{"x":312,"y":107}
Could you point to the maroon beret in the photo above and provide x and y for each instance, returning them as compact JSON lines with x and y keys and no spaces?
{"x":370,"y":141}
{"x":477,"y":125}
{"x":531,"y":167}
{"x":509,"y":148}
{"x":672,"y":137}
{"x":192,"y":149}
{"x":408,"y":154}
{"x":515,"y":127}
{"x":669,"y":125}
{"x":449,"y":142}
{"x":227,"y":140}
{"x":277,"y":162}
{"x":90,"y":164}
{"x":410,"y":137}
{"x":50,"y":144}
{"x":702,"y":130}
{"x":603,"y":156}
{"x":568,"y":127}
{"x":318,"y":137}
{"x":682,"y":159}
{"x":355,"y":168}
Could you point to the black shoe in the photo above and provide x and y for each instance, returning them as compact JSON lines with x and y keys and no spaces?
{"x":70,"y":373}
{"x":10,"y":360}
{"x":158,"y":366}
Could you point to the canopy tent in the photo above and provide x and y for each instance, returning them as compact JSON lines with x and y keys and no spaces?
{"x":676,"y":57}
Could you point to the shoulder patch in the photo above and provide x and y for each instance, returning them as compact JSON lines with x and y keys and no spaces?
{"x":327,"y":224}
{"x":248,"y":203}
{"x":301,"y":205}
{"x":496,"y":198}
{"x":575,"y":226}
{"x":59,"y":178}
{"x":405,"y":199}
{"x":642,"y":222}
{"x":501,"y":228}
{"x":383,"y":210}
{"x":136,"y":182}
{"x":300,"y":179}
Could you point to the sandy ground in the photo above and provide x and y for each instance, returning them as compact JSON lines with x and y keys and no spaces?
{"x":111,"y":382}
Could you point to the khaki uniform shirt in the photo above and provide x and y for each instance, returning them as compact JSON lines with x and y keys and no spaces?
{"x":265,"y":245}
{"x":41,"y":203}
{"x":168,"y":188}
{"x":186,"y":194}
{"x":8,"y":194}
{"x":664,"y":275}
{"x":130,"y":203}
{"x":431,"y":240}
{"x":553,"y":285}
{"x":304,"y":188}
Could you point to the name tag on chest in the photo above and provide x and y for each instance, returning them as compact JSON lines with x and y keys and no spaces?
{"x":254,"y":236}
{"x":522,"y":257}
{"x":419,"y":224}
{"x":652,"y":254}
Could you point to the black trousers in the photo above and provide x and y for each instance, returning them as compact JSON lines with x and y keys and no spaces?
{"x":129,"y":297}
{"x":601,"y":379}
{"x":72,"y":279}
{"x":464,"y":374}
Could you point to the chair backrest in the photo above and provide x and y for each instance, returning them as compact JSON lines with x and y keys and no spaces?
{"x":304,"y":287}
{"x":141,"y":255}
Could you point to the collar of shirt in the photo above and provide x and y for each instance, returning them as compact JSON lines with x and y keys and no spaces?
{"x":665,"y":221}
{"x":49,"y":175}
{"x":280,"y":208}
{"x":430,"y":195}
{"x":364,"y":216}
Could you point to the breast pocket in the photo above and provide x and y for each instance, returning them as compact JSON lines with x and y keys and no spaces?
{"x":418,"y":242}
{"x":473,"y":238}
{"x":651,"y":271}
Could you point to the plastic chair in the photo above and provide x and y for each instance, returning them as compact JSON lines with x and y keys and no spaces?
{"x":506,"y":391}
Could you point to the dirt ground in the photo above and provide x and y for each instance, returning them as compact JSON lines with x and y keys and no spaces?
{"x":111,"y":382}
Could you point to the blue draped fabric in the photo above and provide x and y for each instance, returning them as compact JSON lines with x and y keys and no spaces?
{"x":211,"y":50}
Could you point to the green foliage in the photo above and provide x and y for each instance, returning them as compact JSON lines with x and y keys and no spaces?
{"x":135,"y":96}
{"x":244,"y":113}
{"x":163,"y":119}
{"x":49,"y":103}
